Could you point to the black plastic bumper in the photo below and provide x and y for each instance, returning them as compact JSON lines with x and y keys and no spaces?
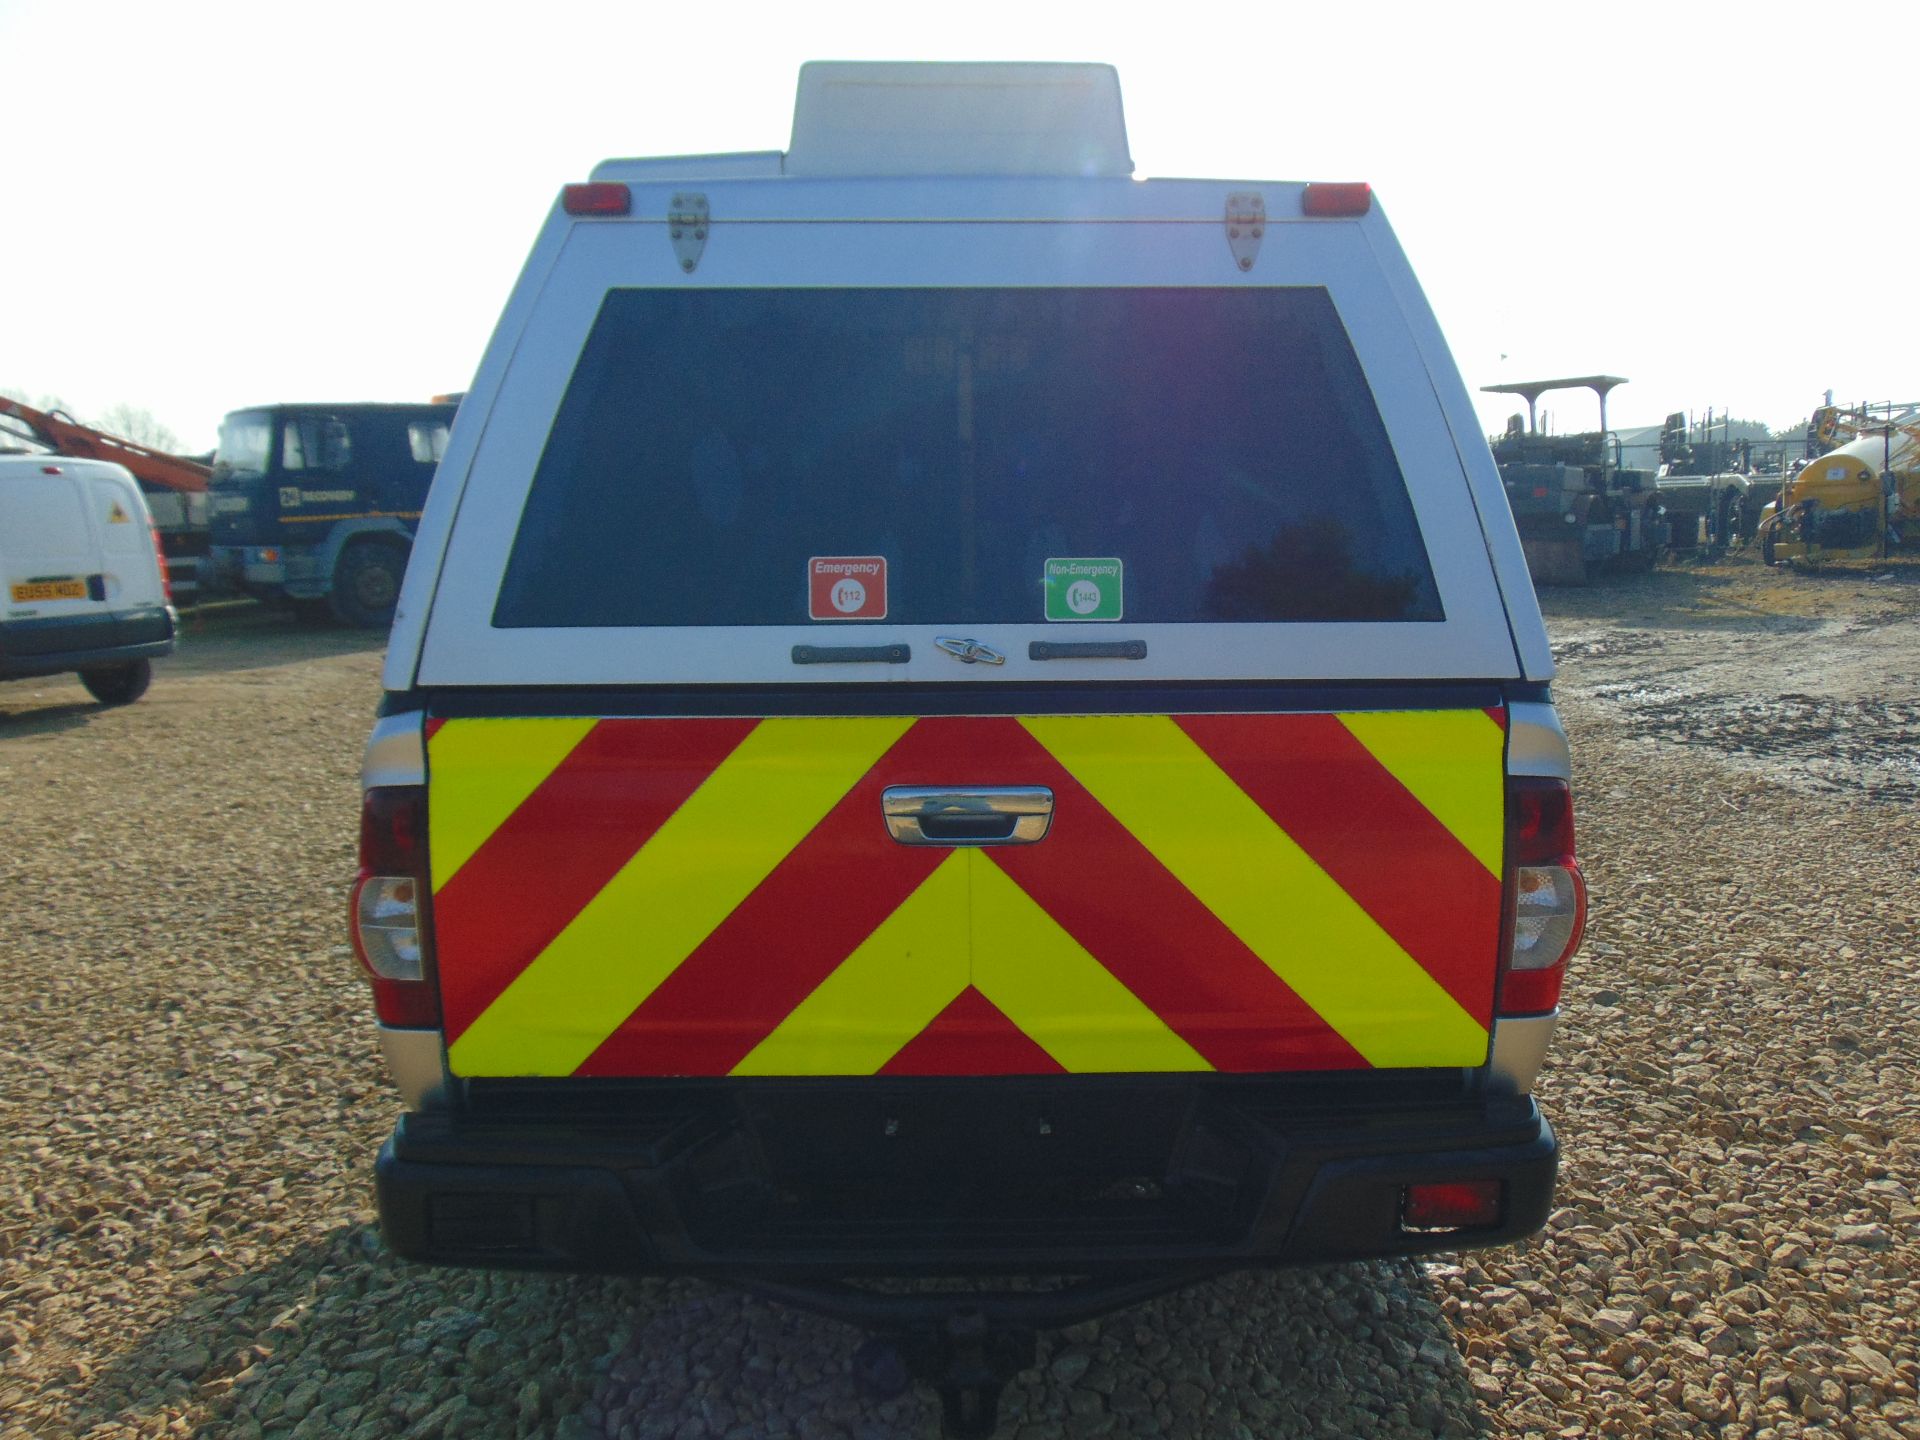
{"x":1080,"y":1176}
{"x":31,"y":648}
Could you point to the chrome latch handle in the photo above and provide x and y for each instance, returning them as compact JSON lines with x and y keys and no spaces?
{"x":969,"y":652}
{"x":966,"y":815}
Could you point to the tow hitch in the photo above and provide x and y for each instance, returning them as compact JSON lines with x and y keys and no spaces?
{"x":964,"y":1345}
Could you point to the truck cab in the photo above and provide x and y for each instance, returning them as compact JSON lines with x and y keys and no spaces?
{"x":317,"y":504}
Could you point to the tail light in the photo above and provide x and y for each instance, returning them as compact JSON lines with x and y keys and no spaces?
{"x":1336,"y":201}
{"x":160,"y":554}
{"x":597,"y":197}
{"x":392,"y":929}
{"x":1546,"y":898}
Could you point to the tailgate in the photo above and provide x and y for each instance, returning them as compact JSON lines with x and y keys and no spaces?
{"x":1244,"y":892}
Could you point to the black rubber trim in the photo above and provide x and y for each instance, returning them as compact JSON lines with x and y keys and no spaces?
{"x":27,"y":667}
{"x":1111,"y":697}
{"x":74,"y":634}
{"x":852,"y":654}
{"x":1087,"y":650}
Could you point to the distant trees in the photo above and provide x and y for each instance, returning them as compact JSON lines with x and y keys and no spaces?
{"x":138,"y":424}
{"x":129,"y":422}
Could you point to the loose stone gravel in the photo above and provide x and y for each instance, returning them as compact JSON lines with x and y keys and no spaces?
{"x":189,"y":1107}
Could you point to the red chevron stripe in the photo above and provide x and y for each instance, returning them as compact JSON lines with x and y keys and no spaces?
{"x":1107,"y":890}
{"x":972,"y":1036}
{"x":561,"y":847}
{"x":1377,"y":842}
{"x":1097,"y":881}
{"x":813,"y":911}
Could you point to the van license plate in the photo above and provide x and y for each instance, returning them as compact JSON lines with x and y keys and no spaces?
{"x":49,"y":590}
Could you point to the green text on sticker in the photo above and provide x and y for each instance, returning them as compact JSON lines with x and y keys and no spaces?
{"x":1083,"y":588}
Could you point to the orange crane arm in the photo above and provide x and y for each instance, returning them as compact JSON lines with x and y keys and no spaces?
{"x":66,"y":436}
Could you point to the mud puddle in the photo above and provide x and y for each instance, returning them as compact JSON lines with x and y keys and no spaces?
{"x":1867,"y":747}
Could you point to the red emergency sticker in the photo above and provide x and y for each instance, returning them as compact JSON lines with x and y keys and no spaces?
{"x":847,"y":587}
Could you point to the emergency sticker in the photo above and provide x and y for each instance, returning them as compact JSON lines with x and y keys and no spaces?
{"x":118,"y":515}
{"x":1083,"y":588}
{"x":847,"y":587}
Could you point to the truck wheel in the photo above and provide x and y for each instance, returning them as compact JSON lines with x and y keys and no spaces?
{"x":366,"y":584}
{"x":1766,"y":548}
{"x":118,"y":684}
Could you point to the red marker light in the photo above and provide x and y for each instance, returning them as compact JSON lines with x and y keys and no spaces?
{"x":1333,"y":202}
{"x":600,"y":197}
{"x":1451,"y":1205}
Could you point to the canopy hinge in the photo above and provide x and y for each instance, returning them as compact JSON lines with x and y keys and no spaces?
{"x":687,"y":228}
{"x":1246,"y":225}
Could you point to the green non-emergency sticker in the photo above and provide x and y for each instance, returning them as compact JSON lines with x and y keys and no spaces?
{"x":1083,"y":588}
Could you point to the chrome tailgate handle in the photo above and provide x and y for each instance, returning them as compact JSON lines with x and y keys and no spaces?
{"x":967,"y":814}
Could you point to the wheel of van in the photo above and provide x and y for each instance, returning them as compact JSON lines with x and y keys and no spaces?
{"x":118,"y":684}
{"x":366,"y":584}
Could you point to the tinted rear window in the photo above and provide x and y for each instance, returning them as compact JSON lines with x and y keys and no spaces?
{"x":1222,"y":445}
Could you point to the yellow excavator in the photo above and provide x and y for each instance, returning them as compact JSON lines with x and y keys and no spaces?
{"x":1858,"y":495}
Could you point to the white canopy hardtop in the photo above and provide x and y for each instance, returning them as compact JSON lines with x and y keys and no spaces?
{"x":949,"y":177}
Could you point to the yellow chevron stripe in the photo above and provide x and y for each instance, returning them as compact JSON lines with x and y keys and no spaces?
{"x":1250,"y":873}
{"x":891,"y":988}
{"x":1065,"y":1001}
{"x":1452,"y":763}
{"x":482,"y":771}
{"x":710,"y":855}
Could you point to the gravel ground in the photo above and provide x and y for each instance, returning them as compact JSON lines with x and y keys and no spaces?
{"x":189,"y":1106}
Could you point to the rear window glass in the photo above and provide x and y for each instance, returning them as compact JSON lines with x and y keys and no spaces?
{"x":1222,"y":446}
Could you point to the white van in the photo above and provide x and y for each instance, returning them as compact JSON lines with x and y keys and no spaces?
{"x":81,"y":576}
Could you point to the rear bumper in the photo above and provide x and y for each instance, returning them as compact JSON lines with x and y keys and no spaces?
{"x":808,"y":1179}
{"x":55,"y":646}
{"x":293,"y":570}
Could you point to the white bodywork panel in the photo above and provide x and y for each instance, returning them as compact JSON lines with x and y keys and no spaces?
{"x":859,"y":233}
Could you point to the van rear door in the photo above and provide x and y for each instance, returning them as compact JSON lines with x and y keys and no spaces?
{"x":130,"y":568}
{"x":965,"y":648}
{"x":49,"y":552}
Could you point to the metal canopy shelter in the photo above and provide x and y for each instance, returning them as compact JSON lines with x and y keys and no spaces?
{"x":1532,"y":390}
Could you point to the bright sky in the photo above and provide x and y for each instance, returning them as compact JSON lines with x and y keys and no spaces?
{"x":209,"y":207}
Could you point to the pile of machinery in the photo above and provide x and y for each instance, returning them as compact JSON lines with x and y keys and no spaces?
{"x":1858,"y":494}
{"x":1713,"y":488}
{"x":1579,"y":511}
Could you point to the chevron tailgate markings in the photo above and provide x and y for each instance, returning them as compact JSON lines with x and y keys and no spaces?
{"x":839,"y":883}
{"x":559,"y":849}
{"x":1107,"y":890}
{"x":1451,"y":762}
{"x":1163,"y":787}
{"x":886,"y":992}
{"x":1040,"y":978}
{"x":1332,"y":798}
{"x":499,"y":763}
{"x":703,"y":897}
{"x":708,"y":856}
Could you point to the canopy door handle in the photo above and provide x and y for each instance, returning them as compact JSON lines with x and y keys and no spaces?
{"x":967,"y":814}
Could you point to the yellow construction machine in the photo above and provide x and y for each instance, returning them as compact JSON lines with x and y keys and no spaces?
{"x":1857,"y":496}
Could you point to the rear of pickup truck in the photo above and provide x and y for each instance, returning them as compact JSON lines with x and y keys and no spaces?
{"x":1257,"y":992}
{"x":948,"y":725}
